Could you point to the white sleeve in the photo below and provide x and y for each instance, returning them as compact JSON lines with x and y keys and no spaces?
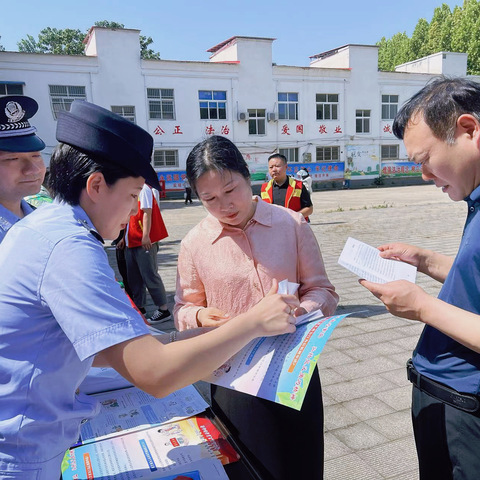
{"x":146,"y":197}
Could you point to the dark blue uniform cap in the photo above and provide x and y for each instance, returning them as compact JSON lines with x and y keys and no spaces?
{"x":16,"y":133}
{"x":109,"y":137}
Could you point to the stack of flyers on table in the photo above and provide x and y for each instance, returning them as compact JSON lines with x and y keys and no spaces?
{"x":279,"y":368}
{"x":193,"y":445}
{"x":366,"y":262}
{"x":131,"y":409}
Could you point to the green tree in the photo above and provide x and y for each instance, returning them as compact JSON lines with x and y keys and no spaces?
{"x":418,"y":42}
{"x":470,"y":25}
{"x":457,"y":31}
{"x":439,"y":33}
{"x":53,"y":40}
{"x":145,"y":52}
{"x":70,"y":42}
{"x":28,"y":45}
{"x":393,"y":51}
{"x":108,"y":24}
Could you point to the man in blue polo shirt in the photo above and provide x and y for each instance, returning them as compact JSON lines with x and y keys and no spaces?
{"x":441,"y":130}
{"x":21,"y":165}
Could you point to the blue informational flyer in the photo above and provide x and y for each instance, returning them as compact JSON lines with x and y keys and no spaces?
{"x":279,"y":368}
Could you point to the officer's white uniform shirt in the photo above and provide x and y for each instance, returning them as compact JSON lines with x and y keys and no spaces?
{"x":8,"y":219}
{"x":59,"y":306}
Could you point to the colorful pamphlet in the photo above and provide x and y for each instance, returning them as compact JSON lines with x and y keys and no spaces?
{"x":131,"y":409}
{"x":150,"y":453}
{"x":279,"y":368}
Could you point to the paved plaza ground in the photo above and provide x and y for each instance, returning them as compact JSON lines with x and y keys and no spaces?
{"x":368,"y":434}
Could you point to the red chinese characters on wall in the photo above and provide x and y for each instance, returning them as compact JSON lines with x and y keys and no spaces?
{"x":209,"y":130}
{"x":224,"y":130}
{"x":387,"y":128}
{"x":177,"y":130}
{"x":159,"y":130}
{"x":285,"y":130}
{"x":322,"y":129}
{"x":338,"y":129}
{"x":299,"y":129}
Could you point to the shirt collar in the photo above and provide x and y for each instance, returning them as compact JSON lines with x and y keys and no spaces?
{"x":284,"y":184}
{"x":82,"y":219}
{"x":8,"y":218}
{"x":262,"y":215}
{"x":474,"y":197}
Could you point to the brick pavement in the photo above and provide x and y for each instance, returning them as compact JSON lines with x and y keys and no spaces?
{"x":368,"y":433}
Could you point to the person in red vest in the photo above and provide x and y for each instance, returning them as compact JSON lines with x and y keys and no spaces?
{"x":144,"y":231}
{"x":285,"y":190}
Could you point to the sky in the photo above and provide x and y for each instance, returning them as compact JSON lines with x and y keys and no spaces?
{"x":186,"y":29}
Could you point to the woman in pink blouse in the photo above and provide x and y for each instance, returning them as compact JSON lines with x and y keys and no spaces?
{"x":227,"y":264}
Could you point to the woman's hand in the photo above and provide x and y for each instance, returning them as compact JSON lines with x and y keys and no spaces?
{"x":211,"y":317}
{"x":401,"y":297}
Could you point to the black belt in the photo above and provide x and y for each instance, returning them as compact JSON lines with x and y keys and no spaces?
{"x":463,"y":401}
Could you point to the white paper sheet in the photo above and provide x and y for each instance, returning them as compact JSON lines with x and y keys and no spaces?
{"x":366,"y":262}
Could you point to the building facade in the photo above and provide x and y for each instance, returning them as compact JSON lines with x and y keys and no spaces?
{"x":336,"y":114}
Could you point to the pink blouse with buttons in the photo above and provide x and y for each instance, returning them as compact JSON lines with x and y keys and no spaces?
{"x":232,"y":269}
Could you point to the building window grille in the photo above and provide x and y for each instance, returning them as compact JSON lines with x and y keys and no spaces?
{"x":327,"y":106}
{"x":328,"y":154}
{"x":213,"y":104}
{"x":165,"y":158}
{"x":256,"y":121}
{"x":389,"y":106}
{"x":389,"y":152}
{"x":161,"y":103}
{"x":291,"y":154}
{"x":11,"y":88}
{"x":125,"y":111}
{"x":288,"y":106}
{"x":62,"y":97}
{"x":362,"y":123}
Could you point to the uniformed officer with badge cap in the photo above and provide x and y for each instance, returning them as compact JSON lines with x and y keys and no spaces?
{"x":61,"y":307}
{"x":22,"y":170}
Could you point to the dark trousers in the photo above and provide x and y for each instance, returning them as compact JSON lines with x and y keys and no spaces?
{"x":142,"y":271}
{"x":447,"y":439}
{"x":284,"y":444}
{"x":188,"y":195}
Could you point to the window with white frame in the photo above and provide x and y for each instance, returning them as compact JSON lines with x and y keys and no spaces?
{"x":213,"y":104}
{"x":389,"y":152}
{"x":291,"y":154}
{"x":62,"y":97}
{"x":165,"y":158}
{"x":287,"y":106}
{"x":362,"y":121}
{"x":125,"y":111}
{"x":328,"y":154}
{"x":327,"y":106}
{"x":161,"y":103}
{"x":11,"y":88}
{"x":256,"y":121}
{"x":389,"y":106}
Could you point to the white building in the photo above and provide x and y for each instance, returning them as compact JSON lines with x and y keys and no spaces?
{"x":335,"y":114}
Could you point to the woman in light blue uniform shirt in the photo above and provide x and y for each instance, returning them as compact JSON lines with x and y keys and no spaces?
{"x":61,"y":309}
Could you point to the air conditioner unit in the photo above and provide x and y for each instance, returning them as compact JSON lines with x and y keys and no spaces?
{"x":307,"y":157}
{"x":242,"y":116}
{"x":272,"y":117}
